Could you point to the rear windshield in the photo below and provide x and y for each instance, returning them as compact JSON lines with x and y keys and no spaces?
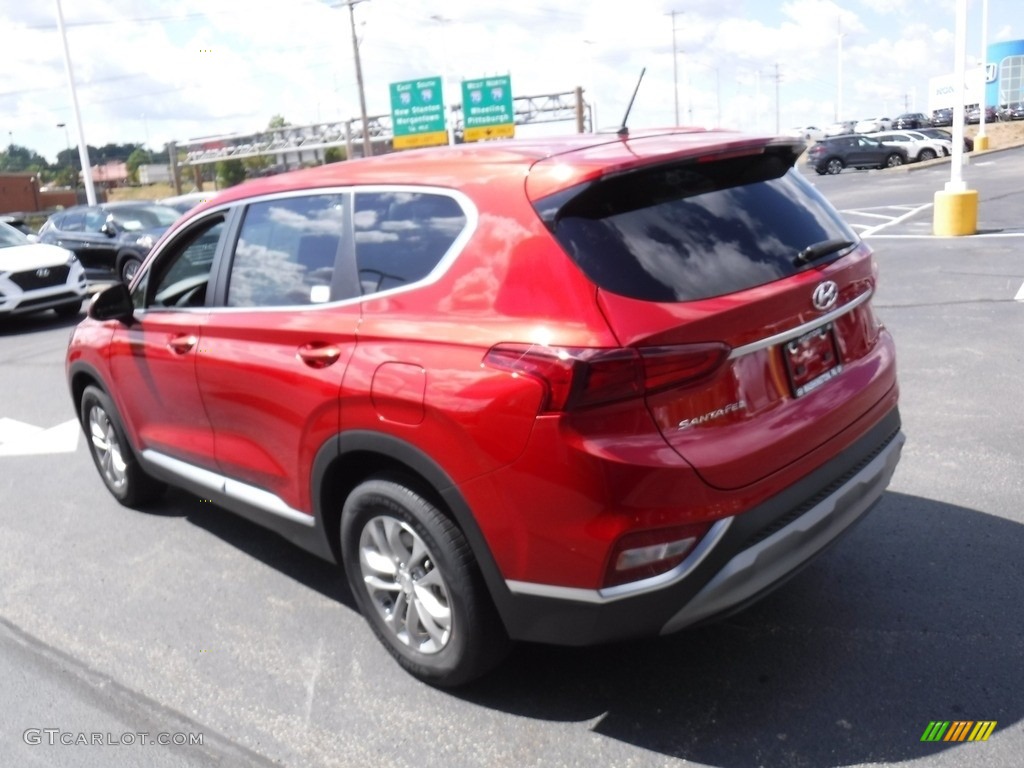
{"x":695,"y":230}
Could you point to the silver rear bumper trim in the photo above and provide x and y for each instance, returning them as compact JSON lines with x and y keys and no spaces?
{"x":768,"y":562}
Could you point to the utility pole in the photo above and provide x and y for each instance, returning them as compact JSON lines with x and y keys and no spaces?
{"x":367,"y":147}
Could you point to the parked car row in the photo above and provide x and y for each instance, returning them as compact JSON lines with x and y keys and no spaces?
{"x":112,"y":239}
{"x":1012,"y":111}
{"x":35,"y":277}
{"x":972,"y":114}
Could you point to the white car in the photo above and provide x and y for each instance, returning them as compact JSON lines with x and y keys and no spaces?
{"x":35,"y":277}
{"x":808,"y":133}
{"x":919,"y":147}
{"x":873,"y":125}
{"x":841,"y":128}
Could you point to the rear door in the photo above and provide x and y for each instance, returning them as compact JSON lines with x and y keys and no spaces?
{"x":741,"y":252}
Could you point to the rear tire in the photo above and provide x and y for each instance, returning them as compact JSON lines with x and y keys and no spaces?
{"x":834,"y":166}
{"x":112,"y":454}
{"x":927,"y":154}
{"x":418,"y":586}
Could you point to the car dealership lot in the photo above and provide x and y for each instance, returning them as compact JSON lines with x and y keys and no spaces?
{"x":188,"y":615}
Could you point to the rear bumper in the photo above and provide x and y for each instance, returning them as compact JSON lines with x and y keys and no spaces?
{"x":742,"y":559}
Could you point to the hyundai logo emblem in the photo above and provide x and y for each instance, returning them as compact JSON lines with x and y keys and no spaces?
{"x":44,"y":272}
{"x":825,"y":295}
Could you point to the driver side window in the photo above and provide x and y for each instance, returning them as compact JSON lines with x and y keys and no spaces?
{"x":180,"y":277}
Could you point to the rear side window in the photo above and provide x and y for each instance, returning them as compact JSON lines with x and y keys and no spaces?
{"x":286,"y":253}
{"x":401,"y":236}
{"x":693,"y":231}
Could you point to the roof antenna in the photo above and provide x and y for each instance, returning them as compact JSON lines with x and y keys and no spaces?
{"x":623,"y":130}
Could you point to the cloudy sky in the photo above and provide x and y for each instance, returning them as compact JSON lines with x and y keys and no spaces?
{"x":152,"y":71}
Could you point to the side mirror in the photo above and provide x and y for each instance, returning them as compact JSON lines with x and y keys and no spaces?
{"x":114,"y":303}
{"x":109,"y":229}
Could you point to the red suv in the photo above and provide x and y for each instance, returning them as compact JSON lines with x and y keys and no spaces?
{"x":561,"y":390}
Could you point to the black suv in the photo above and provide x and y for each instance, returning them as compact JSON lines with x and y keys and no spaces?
{"x":833,"y":154}
{"x":111,"y":240}
{"x":911,"y":120}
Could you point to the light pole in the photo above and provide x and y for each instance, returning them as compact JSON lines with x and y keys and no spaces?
{"x":67,"y":146}
{"x":593,"y":85}
{"x":839,"y":70}
{"x":981,"y":140}
{"x":955,"y":210}
{"x":83,"y":148}
{"x":449,"y":118}
{"x":675,"y":63}
{"x":67,"y":139}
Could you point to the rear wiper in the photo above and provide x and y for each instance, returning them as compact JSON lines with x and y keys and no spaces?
{"x":818,"y":250}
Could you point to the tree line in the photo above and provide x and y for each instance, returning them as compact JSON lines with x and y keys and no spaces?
{"x":18,"y":159}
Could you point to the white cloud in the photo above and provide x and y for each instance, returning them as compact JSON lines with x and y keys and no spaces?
{"x":159,"y":71}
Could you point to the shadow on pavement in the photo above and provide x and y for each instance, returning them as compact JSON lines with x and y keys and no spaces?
{"x":915,"y":616}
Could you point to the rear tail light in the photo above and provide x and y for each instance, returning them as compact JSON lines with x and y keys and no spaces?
{"x":645,"y":554}
{"x":578,"y":377}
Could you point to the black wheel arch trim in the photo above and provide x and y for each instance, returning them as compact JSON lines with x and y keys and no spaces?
{"x":400,"y":453}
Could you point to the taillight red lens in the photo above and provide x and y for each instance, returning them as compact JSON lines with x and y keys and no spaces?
{"x":577,"y":377}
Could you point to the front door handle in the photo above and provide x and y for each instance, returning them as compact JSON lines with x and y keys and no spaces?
{"x":319,"y":355}
{"x":181,"y":345}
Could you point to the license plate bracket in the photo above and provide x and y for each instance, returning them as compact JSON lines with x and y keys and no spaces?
{"x":812,"y":359}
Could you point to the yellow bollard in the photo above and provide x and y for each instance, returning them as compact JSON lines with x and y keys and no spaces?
{"x":980,"y":143}
{"x":956,"y":213}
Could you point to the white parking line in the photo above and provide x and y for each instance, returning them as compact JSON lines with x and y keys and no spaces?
{"x":897,"y":220}
{"x":1020,"y":294}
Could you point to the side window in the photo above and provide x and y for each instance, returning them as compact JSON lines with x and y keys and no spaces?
{"x":401,"y":236}
{"x":71,"y":222}
{"x":94,"y":219}
{"x":180,"y":276}
{"x":286,"y":252}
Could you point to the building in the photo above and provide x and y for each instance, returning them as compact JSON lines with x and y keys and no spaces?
{"x":1005,"y":73}
{"x":1000,"y":81}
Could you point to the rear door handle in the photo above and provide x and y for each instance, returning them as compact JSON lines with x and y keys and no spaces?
{"x":319,"y":355}
{"x":182,"y":344}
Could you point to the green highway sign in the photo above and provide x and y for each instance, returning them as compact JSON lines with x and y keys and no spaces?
{"x":417,"y":113}
{"x":487,"y":108}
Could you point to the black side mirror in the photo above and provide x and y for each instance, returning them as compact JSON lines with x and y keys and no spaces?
{"x":114,"y":303}
{"x":109,"y":229}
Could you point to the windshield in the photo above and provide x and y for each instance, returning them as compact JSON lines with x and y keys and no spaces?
{"x":9,"y":236}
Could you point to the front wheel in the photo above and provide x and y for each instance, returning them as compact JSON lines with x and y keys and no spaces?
{"x":927,"y":154}
{"x":68,"y":310}
{"x":834,"y":166}
{"x":417,"y":584}
{"x":893,"y":161}
{"x":111,"y":452}
{"x":128,"y":268}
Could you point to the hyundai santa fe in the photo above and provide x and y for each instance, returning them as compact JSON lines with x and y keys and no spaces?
{"x":562,"y":390}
